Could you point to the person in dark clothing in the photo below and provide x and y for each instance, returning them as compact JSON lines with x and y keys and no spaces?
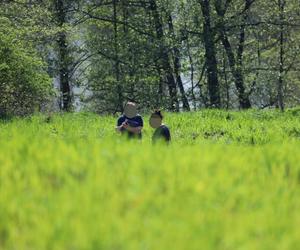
{"x":130,"y":123}
{"x":162,"y":132}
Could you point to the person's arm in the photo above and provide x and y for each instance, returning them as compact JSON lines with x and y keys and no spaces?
{"x":167,"y":134}
{"x":135,"y":130}
{"x":120,"y":125}
{"x":118,"y":129}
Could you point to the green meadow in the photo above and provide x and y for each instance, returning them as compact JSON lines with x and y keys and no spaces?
{"x":229,"y":180}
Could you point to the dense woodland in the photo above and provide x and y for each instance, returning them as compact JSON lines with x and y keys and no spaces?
{"x":173,"y":54}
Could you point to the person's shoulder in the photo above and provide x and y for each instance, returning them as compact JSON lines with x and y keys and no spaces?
{"x":166,"y":132}
{"x":165,"y":127}
{"x":121,"y":117}
{"x":138,"y":117}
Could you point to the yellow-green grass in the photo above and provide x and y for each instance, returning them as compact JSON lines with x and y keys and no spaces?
{"x":229,"y":180}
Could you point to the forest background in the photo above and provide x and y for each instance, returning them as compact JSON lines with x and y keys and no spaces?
{"x":178,"y":55}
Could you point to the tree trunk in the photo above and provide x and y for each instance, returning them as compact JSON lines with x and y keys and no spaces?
{"x":226,"y":81}
{"x":63,"y":56}
{"x":235,"y":65}
{"x":177,"y":67}
{"x":192,"y":73}
{"x":280,"y":102}
{"x":164,"y":58}
{"x":210,"y":56}
{"x":237,"y":73}
{"x":117,"y":61}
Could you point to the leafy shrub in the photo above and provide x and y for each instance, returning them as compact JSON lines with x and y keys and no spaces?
{"x":24,"y":83}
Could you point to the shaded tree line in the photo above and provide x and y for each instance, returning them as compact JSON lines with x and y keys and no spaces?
{"x":177,"y":55}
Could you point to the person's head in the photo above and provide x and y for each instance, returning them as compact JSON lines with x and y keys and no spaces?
{"x":156,"y":119}
{"x":130,"y":110}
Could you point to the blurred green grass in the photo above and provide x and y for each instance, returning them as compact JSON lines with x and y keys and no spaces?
{"x":229,"y":180}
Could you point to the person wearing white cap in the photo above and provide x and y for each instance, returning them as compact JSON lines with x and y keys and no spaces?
{"x":130,"y":123}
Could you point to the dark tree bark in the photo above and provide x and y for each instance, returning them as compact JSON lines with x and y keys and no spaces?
{"x":237,"y":73}
{"x":210,"y":56}
{"x":160,"y":94}
{"x":117,"y":61}
{"x":235,"y":63}
{"x":192,"y":73}
{"x":227,"y":86}
{"x":280,"y":102}
{"x":164,"y":57}
{"x":160,"y":90}
{"x":177,"y":67}
{"x":63,"y":57}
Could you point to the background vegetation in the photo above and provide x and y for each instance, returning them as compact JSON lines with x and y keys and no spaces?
{"x":180,"y":55}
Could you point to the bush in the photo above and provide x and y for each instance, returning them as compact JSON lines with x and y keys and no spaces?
{"x":24,"y":83}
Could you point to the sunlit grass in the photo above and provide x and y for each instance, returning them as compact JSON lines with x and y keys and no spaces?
{"x":229,"y":180}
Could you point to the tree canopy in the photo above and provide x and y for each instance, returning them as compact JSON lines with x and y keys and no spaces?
{"x":177,"y":55}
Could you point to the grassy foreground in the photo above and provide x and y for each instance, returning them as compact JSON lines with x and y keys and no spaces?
{"x":229,"y":180}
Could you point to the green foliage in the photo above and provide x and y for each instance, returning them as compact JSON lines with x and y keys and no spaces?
{"x":24,"y":83}
{"x":229,"y":180}
{"x":143,"y":50}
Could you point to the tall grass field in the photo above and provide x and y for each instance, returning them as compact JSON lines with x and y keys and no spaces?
{"x":228,"y":180}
